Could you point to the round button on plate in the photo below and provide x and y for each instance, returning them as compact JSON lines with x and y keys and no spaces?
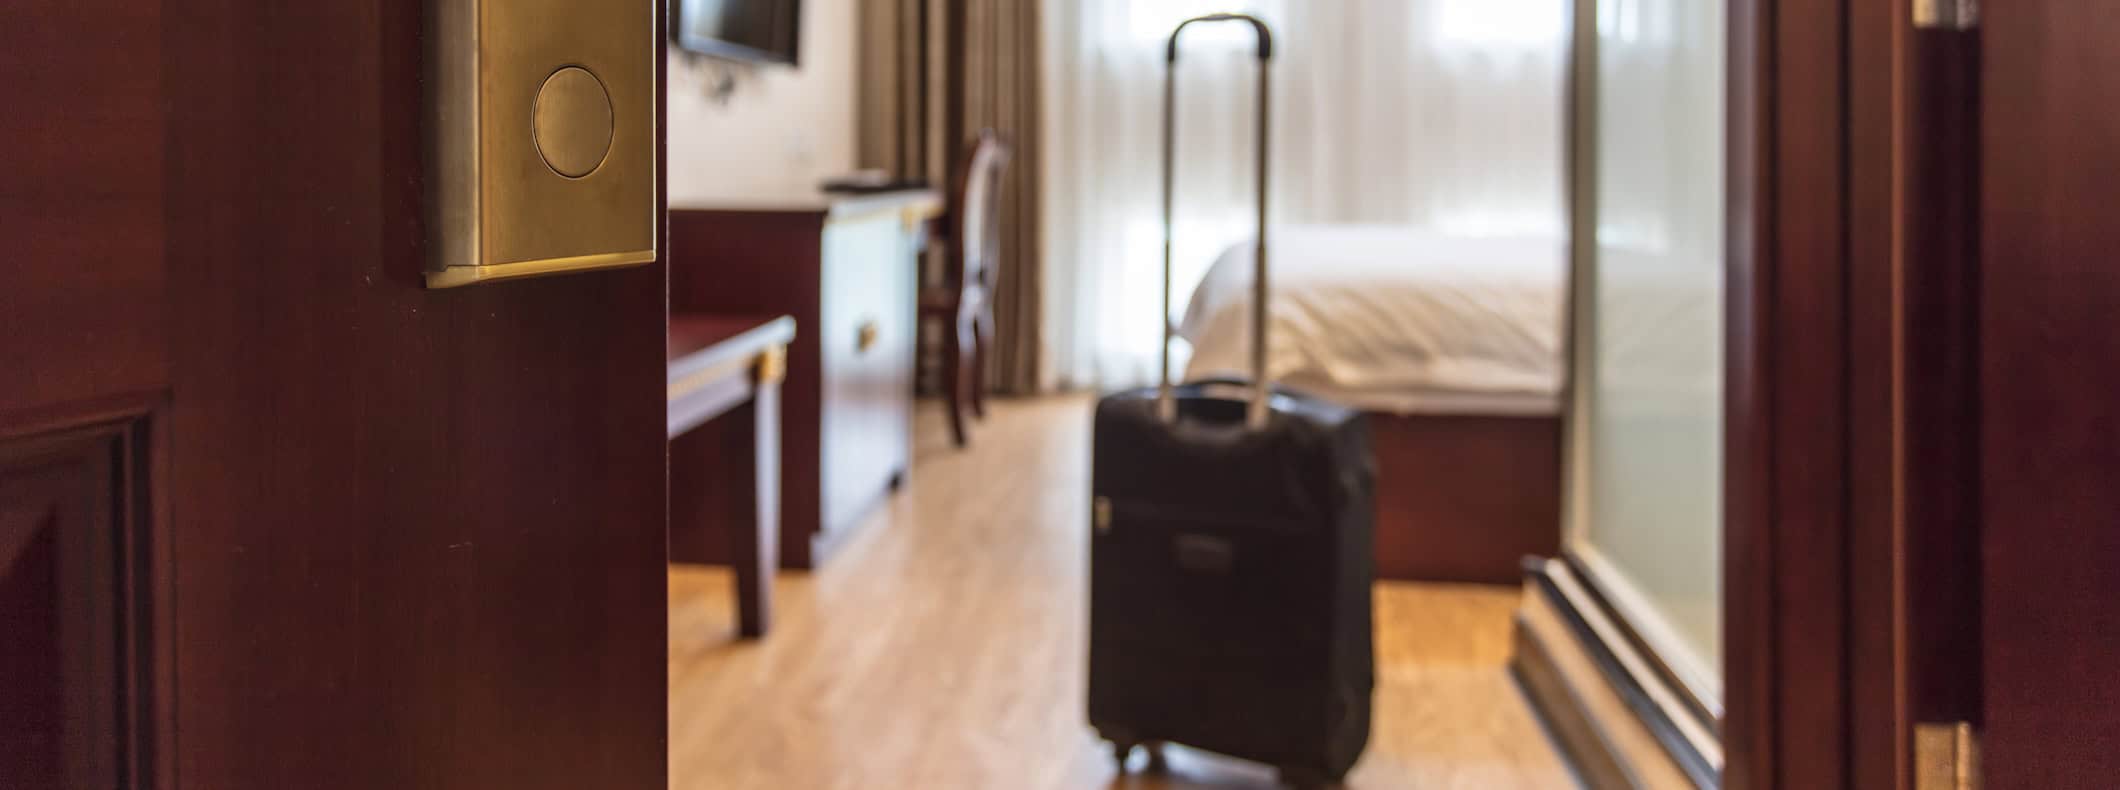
{"x":573,"y":122}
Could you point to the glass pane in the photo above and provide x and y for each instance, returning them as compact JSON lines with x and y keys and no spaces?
{"x":1651,"y":528}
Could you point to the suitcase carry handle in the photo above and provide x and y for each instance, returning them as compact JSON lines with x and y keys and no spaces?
{"x":1265,"y":33}
{"x":1261,"y":388}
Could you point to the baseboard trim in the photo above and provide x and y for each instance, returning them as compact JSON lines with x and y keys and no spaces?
{"x":1617,"y":731}
{"x":1581,"y":742}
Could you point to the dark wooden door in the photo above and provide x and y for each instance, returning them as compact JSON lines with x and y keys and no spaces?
{"x":273,"y":515}
{"x":2050,"y":393}
{"x":1924,"y":473}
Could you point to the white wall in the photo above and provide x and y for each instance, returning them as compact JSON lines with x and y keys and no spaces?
{"x":784,"y":129}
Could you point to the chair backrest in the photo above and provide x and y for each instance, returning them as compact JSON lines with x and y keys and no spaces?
{"x":977,"y":237}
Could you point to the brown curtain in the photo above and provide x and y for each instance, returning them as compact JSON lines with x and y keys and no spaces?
{"x":901,"y":116}
{"x":935,"y":73}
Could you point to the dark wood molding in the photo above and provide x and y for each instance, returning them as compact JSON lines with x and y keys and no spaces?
{"x":1802,"y":431}
{"x":83,"y":493}
{"x":1852,"y":310}
{"x":1748,"y":609}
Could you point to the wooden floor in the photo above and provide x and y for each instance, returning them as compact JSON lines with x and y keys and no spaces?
{"x":945,"y":651}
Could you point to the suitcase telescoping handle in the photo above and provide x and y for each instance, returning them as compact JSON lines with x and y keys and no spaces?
{"x":1261,"y":388}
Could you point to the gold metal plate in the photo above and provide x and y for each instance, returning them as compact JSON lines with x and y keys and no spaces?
{"x":573,"y":123}
{"x":1946,"y":756}
{"x":542,"y":135}
{"x":1946,"y":14}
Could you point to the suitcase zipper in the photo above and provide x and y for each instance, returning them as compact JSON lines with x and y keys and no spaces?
{"x":1106,"y":511}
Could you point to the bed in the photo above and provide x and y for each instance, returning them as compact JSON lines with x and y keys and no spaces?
{"x":1452,"y":345}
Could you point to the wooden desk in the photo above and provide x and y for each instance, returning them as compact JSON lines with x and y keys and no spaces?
{"x":732,"y":367}
{"x":845,"y":269}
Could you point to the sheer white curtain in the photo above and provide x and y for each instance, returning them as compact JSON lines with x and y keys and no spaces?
{"x":1443,"y":114}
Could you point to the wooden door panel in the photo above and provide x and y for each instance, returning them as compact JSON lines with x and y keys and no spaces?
{"x":83,"y":342}
{"x":2050,"y":394}
{"x":422,"y":532}
{"x":418,"y":535}
{"x":81,"y":202}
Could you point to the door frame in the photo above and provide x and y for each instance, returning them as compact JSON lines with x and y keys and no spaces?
{"x":1848,"y":511}
{"x":1784,"y":435}
{"x":1819,"y":424}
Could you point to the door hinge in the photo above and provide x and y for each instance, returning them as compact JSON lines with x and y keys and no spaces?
{"x":1947,"y":14}
{"x":1946,"y":756}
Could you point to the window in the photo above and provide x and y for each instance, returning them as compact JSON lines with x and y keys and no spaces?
{"x":1153,"y":20}
{"x":1502,"y":23}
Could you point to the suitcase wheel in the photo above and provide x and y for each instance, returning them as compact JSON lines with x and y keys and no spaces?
{"x":1121,"y":752}
{"x":1158,"y":762}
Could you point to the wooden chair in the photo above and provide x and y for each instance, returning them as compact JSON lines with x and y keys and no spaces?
{"x":963,"y":301}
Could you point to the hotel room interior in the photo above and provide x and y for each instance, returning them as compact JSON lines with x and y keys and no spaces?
{"x":731,"y":394}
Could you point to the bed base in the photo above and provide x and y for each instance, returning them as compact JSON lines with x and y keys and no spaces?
{"x":1465,"y":498}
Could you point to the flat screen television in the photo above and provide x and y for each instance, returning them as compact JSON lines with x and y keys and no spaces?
{"x":758,"y":30}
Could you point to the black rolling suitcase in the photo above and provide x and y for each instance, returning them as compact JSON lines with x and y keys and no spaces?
{"x":1230,"y":557}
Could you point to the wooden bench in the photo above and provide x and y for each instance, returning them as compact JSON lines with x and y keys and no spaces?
{"x":730,"y":368}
